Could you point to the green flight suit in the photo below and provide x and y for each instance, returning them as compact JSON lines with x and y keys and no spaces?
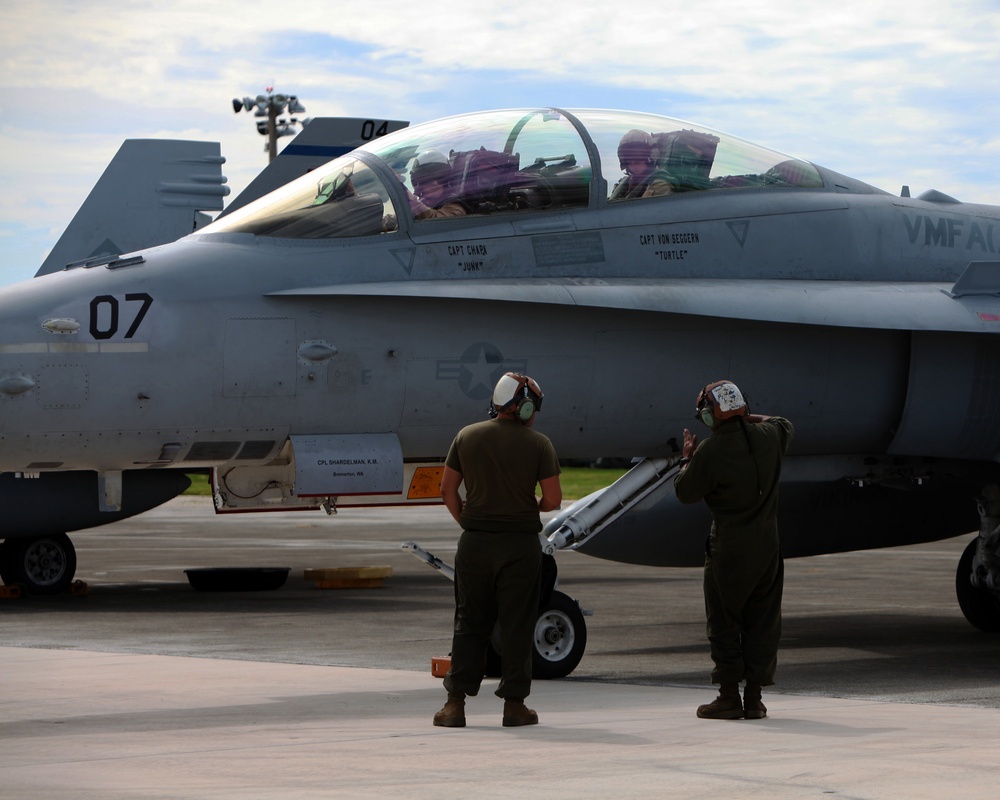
{"x":744,"y":570}
{"x":499,"y":557}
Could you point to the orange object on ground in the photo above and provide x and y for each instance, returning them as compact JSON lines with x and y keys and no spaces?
{"x":440,"y":666}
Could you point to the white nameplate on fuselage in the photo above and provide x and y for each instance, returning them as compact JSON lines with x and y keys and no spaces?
{"x":349,"y":464}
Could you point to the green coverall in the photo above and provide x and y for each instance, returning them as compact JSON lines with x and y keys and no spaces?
{"x":744,"y":570}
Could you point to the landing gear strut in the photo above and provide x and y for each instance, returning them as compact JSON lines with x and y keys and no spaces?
{"x":42,"y":565}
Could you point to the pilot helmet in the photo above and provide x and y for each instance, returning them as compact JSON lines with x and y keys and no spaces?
{"x":635,"y":144}
{"x":516,"y":394}
{"x":720,"y":401}
{"x":430,"y":165}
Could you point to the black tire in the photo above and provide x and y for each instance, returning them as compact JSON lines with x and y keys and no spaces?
{"x":980,"y":606}
{"x":42,"y":565}
{"x":560,"y":638}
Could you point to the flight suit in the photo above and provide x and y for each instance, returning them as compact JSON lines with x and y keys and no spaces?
{"x":446,"y":210}
{"x":656,"y":185}
{"x":499,"y":557}
{"x":736,"y":471}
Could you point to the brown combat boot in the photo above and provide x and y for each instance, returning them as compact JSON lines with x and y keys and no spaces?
{"x":453,"y":713}
{"x":516,"y":713}
{"x":726,"y":706}
{"x":753,"y":708}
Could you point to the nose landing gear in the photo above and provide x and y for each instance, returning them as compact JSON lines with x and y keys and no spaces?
{"x":560,"y":636}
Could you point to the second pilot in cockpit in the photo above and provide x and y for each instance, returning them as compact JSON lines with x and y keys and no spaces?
{"x":637,"y":159}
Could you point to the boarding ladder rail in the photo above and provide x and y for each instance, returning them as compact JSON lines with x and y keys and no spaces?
{"x":430,"y":559}
{"x":592,"y":514}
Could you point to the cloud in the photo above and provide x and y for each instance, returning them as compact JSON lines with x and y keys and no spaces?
{"x":886,"y":93}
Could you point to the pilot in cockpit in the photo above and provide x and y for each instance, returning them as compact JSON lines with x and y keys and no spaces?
{"x":433,"y":195}
{"x":637,"y":160}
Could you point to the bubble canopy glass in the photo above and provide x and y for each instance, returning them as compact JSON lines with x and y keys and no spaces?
{"x":511,"y":161}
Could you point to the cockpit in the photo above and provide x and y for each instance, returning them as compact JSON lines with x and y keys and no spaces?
{"x":511,"y":162}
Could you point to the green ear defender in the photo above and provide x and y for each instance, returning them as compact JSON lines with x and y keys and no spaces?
{"x":525,"y":408}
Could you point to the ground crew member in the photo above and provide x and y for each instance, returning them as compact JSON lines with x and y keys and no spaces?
{"x":736,"y":473}
{"x":499,"y":557}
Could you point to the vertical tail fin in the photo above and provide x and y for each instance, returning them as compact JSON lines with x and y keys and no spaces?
{"x":323,"y":139}
{"x":154,"y":191}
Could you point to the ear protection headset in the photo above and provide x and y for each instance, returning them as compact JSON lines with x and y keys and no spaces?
{"x":518,"y":395}
{"x":706,"y":416}
{"x":723,"y":400}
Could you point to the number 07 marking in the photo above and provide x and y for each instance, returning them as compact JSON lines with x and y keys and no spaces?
{"x":104,"y":314}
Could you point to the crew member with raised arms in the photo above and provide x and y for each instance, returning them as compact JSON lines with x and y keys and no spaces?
{"x":736,"y":473}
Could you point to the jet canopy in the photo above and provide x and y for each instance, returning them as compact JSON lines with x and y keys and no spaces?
{"x":513,"y":161}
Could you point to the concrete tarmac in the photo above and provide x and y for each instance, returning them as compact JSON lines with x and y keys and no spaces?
{"x":84,"y":724}
{"x":145,"y":688}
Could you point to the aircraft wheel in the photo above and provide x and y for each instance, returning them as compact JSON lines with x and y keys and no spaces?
{"x":980,"y":606}
{"x":560,"y":638}
{"x":559,"y":641}
{"x":43,"y":565}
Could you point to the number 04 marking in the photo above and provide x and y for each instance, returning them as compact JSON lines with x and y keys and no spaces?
{"x":369,"y":132}
{"x":104,"y":314}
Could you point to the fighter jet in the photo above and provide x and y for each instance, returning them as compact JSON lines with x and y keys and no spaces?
{"x":320,"y":346}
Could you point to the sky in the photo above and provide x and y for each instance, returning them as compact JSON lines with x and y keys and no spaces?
{"x":890,"y":93}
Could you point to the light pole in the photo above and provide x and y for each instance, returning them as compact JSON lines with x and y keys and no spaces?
{"x":271,"y":106}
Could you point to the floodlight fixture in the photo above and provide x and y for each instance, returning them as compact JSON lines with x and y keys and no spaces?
{"x":269,"y":106}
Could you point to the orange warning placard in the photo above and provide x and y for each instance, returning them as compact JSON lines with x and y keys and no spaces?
{"x":425,"y":483}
